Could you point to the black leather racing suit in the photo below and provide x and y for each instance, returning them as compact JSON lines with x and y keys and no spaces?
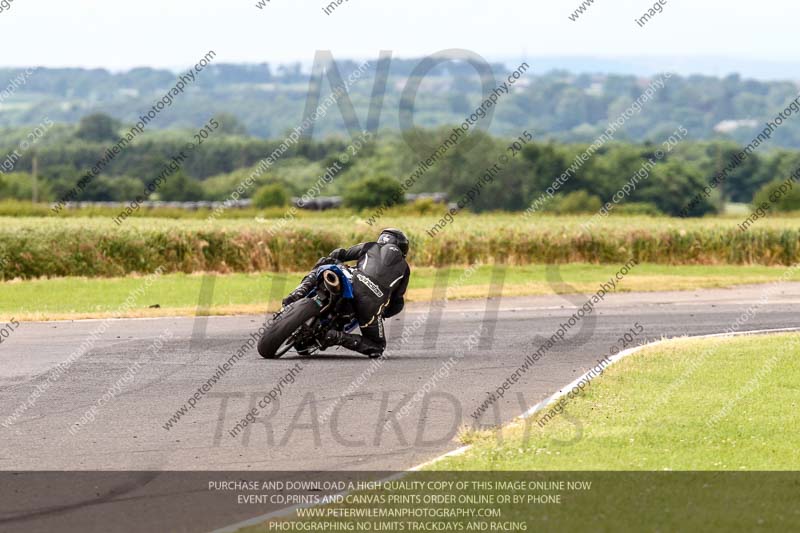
{"x":380,"y":280}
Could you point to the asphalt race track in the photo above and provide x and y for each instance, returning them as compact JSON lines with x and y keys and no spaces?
{"x":177,"y":356}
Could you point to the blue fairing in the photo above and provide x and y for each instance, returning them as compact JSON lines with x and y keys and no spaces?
{"x":347,"y":286}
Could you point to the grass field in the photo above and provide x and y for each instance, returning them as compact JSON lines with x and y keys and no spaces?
{"x":707,"y":404}
{"x":685,"y":426}
{"x":177,"y":294}
{"x":96,"y":247}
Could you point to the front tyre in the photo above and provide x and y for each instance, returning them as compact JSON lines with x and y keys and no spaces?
{"x":276,"y":340}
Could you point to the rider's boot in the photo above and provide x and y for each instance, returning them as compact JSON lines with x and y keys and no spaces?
{"x":304,"y":288}
{"x":357,"y":343}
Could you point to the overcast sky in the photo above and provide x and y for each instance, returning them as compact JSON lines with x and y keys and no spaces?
{"x":119,"y":34}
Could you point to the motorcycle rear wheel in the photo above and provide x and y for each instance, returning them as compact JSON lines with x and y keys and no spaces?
{"x":273,"y":343}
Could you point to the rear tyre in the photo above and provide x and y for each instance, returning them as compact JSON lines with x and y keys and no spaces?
{"x":276,"y":339}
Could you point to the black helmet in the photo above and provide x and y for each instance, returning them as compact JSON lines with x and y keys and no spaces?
{"x":396,"y":237}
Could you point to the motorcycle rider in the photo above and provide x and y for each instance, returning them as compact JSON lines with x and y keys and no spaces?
{"x":380,"y":280}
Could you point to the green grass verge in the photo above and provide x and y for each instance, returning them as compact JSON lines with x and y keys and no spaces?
{"x":177,"y":294}
{"x":715,"y":413}
{"x":706,"y":404}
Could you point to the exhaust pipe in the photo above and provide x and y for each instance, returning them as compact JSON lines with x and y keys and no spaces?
{"x":332,"y":281}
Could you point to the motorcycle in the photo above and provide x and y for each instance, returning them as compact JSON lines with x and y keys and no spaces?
{"x":302,"y":325}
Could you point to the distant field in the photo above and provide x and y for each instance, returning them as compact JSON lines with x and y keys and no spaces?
{"x":96,"y":247}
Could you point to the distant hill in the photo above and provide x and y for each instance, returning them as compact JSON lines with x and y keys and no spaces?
{"x":764,"y":70}
{"x":269,"y":100}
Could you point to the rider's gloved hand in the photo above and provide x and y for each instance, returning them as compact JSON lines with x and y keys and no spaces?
{"x":337,"y":253}
{"x":324,"y":261}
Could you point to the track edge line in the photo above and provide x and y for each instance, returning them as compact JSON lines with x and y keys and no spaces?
{"x":527,"y":414}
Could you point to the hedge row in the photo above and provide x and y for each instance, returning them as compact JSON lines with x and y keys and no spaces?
{"x":50,"y":250}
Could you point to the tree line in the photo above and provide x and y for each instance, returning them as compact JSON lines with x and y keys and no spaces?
{"x":224,"y":161}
